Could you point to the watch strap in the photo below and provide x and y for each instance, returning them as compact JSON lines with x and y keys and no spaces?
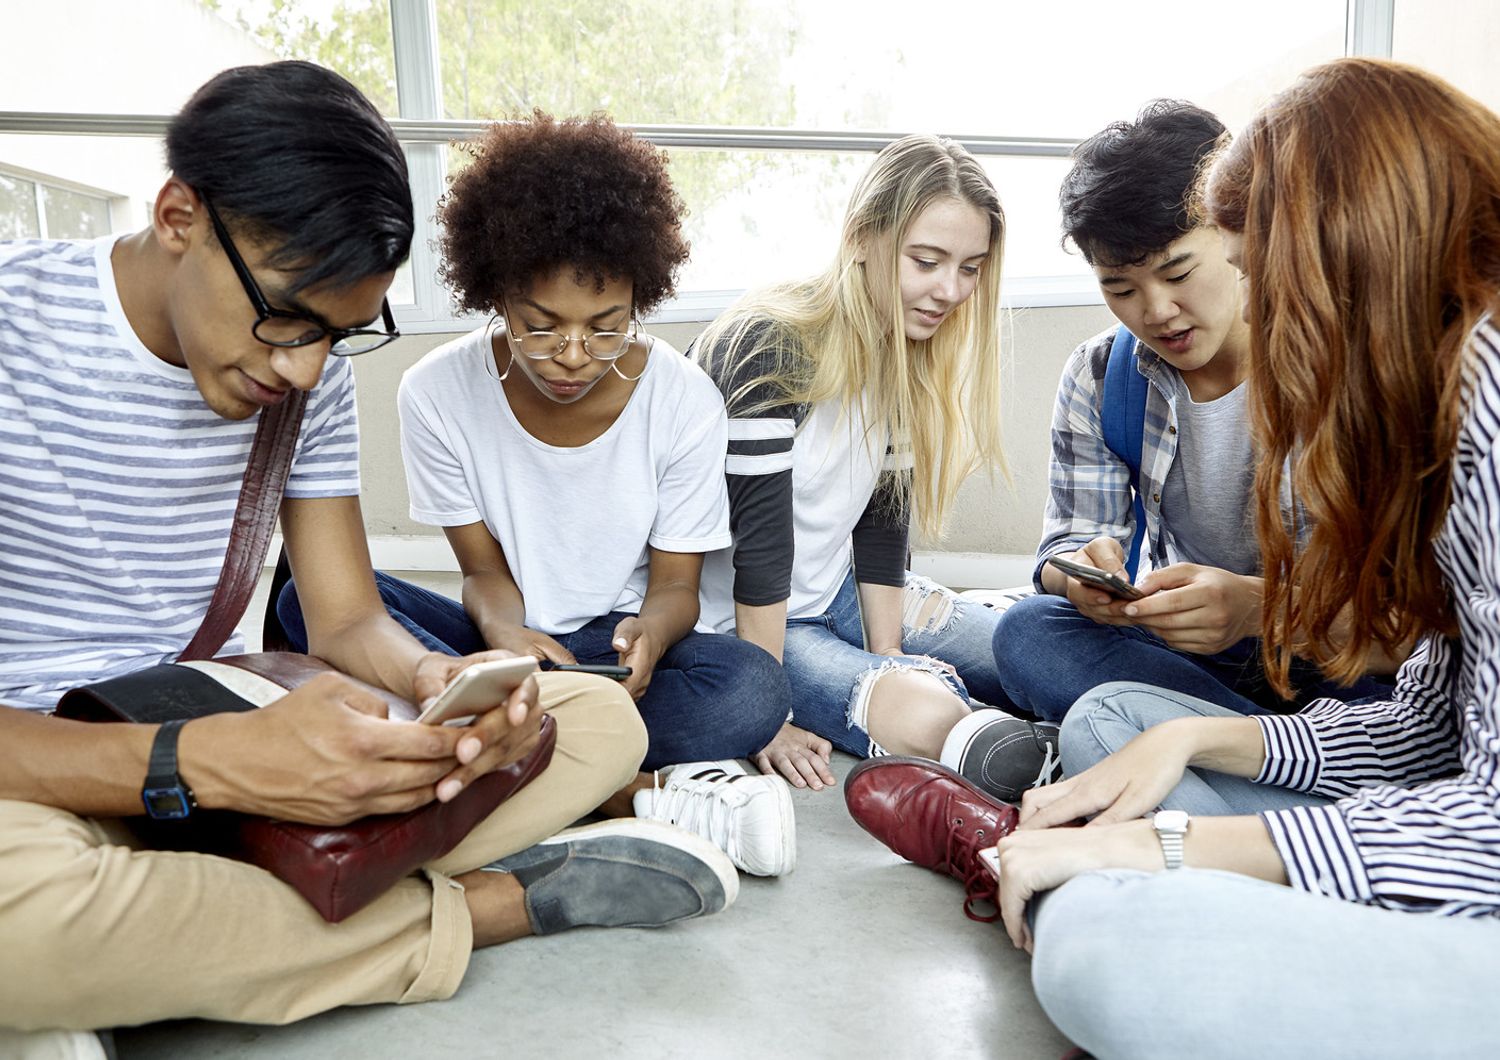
{"x":165,"y":795}
{"x":1171,"y":848}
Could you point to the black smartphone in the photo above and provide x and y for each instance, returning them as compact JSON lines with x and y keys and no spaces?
{"x":619,"y":673}
{"x":1110,"y":583}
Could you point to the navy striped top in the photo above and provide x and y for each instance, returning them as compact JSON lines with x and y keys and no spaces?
{"x":117,"y":483}
{"x":1417,"y":823}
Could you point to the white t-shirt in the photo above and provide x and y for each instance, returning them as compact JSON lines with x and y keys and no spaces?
{"x":117,"y":483}
{"x":835,"y":464}
{"x":575,"y":523}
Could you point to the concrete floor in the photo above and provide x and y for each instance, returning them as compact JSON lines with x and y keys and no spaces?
{"x":856,"y":954}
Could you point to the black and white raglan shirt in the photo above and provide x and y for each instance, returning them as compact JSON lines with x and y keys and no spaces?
{"x":810,"y":496}
{"x":1417,"y":823}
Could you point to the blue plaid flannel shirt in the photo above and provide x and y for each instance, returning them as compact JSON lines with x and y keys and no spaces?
{"x":1089,"y":486}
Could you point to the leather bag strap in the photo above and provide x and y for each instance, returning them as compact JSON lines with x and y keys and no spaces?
{"x":254,"y":520}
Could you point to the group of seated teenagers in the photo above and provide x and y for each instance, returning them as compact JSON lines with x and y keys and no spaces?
{"x":1307,"y":350}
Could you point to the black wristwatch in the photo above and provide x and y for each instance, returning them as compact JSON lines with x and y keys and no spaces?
{"x":166,"y":795}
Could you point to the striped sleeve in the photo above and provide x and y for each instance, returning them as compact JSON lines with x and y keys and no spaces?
{"x":758,"y":467}
{"x":327,"y":459}
{"x":1417,"y":824}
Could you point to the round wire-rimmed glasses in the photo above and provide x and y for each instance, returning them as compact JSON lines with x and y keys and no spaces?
{"x":545,"y":345}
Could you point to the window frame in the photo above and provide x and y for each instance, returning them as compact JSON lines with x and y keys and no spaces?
{"x":425,"y":133}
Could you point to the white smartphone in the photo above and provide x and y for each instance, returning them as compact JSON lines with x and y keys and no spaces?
{"x":990,"y":856}
{"x":480,"y":687}
{"x":1110,"y":583}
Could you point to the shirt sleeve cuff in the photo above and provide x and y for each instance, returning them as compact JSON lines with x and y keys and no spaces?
{"x":707,"y":543}
{"x":1293,"y":759}
{"x":1319,"y":852}
{"x":458,"y":518}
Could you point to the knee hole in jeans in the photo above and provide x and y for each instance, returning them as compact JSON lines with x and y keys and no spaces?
{"x":857,"y":716}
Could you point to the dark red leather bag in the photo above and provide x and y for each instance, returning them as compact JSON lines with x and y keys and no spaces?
{"x":339,"y":869}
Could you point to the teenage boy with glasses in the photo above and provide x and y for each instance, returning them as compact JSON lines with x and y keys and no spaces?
{"x":131,"y":371}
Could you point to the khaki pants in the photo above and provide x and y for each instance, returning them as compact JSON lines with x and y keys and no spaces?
{"x":97,"y":933}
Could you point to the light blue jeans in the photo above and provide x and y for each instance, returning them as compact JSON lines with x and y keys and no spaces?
{"x":1197,"y":963}
{"x":1202,"y":963}
{"x":1112,"y":715}
{"x":830,"y":672}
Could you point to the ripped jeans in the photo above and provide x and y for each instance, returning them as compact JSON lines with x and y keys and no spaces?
{"x":831,"y":674}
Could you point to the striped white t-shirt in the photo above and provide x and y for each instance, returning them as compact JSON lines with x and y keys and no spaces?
{"x":1417,"y":823}
{"x":117,"y":482}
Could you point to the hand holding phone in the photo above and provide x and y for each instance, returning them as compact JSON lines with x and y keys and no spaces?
{"x":1098,"y":579}
{"x":477,"y":689}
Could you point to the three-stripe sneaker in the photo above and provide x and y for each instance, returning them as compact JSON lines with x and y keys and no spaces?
{"x":749,"y":817}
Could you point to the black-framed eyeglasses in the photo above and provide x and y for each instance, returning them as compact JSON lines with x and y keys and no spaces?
{"x":279,"y":327}
{"x":544,"y":345}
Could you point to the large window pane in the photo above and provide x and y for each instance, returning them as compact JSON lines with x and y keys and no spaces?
{"x":201,"y":37}
{"x":953,"y":66}
{"x":81,"y":174}
{"x":758,"y":217}
{"x":73,"y":215}
{"x":716,"y":62}
{"x":18,"y":216}
{"x":1454,"y":39}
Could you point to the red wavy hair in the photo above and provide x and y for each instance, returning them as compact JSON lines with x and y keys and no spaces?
{"x":1368,"y":195}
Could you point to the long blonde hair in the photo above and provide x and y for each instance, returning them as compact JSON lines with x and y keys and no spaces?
{"x":833,"y":338}
{"x":1368,"y":195}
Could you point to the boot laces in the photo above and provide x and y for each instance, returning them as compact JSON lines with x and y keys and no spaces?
{"x":963,"y":861}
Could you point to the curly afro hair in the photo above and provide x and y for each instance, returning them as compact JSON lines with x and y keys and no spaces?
{"x":543,"y":193}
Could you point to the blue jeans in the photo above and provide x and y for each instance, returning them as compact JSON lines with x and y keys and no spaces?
{"x":1198,"y":963}
{"x":1333,"y":978}
{"x":711,"y":696}
{"x":1112,"y":715}
{"x":1049,"y":654}
{"x":830,"y":672}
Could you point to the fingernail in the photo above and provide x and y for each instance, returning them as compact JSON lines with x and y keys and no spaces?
{"x":448,"y":789}
{"x":1131,"y":610}
{"x":468,"y":749}
{"x":621,"y":643}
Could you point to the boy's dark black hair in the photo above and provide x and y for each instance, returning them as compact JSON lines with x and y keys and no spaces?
{"x":1128,"y":194}
{"x":297,"y":158}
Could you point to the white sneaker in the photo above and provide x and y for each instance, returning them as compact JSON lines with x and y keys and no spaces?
{"x":747,"y":816}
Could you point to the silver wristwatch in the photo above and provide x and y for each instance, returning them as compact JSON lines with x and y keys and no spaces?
{"x":1171,"y":826}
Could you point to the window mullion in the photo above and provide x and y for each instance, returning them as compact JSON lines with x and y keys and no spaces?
{"x":419,"y":90}
{"x":1369,"y":28}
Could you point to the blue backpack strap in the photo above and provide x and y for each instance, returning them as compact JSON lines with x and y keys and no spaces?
{"x":1123,"y":420}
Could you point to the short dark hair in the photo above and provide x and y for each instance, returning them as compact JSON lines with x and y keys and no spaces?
{"x":297,"y":158}
{"x":543,"y":193}
{"x":1128,"y":194}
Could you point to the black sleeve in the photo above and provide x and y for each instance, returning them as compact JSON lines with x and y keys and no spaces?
{"x":880,"y":536}
{"x":758,"y":467}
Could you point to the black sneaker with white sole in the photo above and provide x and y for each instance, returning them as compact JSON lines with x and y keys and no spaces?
{"x":1002,"y":754}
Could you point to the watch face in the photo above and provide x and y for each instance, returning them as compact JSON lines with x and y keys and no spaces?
{"x":1173,"y":821}
{"x":166,"y":804}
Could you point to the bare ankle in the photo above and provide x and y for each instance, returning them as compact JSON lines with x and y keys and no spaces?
{"x":622,"y":802}
{"x":497,"y":907}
